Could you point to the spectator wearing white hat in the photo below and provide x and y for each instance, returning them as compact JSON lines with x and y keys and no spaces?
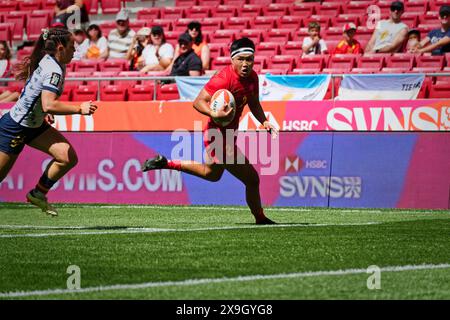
{"x":120,"y":39}
{"x":158,"y":54}
{"x":348,"y":45}
{"x":140,"y":41}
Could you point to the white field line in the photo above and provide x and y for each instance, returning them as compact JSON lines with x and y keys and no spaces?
{"x":155,"y":230}
{"x":191,"y":282}
{"x":231,"y":208}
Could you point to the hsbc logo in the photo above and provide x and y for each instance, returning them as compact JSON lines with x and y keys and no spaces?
{"x":249,"y":122}
{"x":293,"y":164}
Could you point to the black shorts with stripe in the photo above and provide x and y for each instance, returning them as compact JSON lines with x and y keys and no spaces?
{"x":14,"y":137}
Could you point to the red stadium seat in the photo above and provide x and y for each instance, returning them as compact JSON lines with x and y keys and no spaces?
{"x":189,"y":3}
{"x":224,"y":11}
{"x":86,"y":65}
{"x":358,"y":7}
{"x":198,"y":12}
{"x":30,"y":5}
{"x":273,"y":71}
{"x":8,"y":6}
{"x":260,"y":63}
{"x":149,"y":13}
{"x":220,"y":62}
{"x":333,"y":89}
{"x":275,"y":9}
{"x":111,"y":6}
{"x":324,"y":21}
{"x":333,"y":33}
{"x":425,"y":89}
{"x":85,"y":93}
{"x":78,"y":74}
{"x":431,"y":61}
{"x":24,"y":52}
{"x":440,"y":91}
{"x":264,"y":22}
{"x":104,"y":74}
{"x":213,"y":23}
{"x":217,"y":49}
{"x":6,"y":32}
{"x":125,"y":75}
{"x":303,"y":71}
{"x":365,"y":70}
{"x":113,"y":93}
{"x":141,"y":92}
{"x":167,"y":92}
{"x":292,"y":48}
{"x":403,"y":61}
{"x":283,"y":62}
{"x":113,"y":65}
{"x":138,"y":24}
{"x":237,"y":3}
{"x":35,"y":24}
{"x":343,"y":19}
{"x":289,"y":22}
{"x":223,"y":36}
{"x":107,"y":26}
{"x":313,"y":62}
{"x":268,"y":49}
{"x":374,"y":61}
{"x":259,"y":2}
{"x":302,"y":9}
{"x":394,"y":70}
{"x":237,"y":23}
{"x":411,"y":19}
{"x":426,"y":69}
{"x":329,"y":8}
{"x":19,"y":18}
{"x":172,"y":13}
{"x":255,"y":35}
{"x":342,"y":62}
{"x":206,"y":3}
{"x":166,"y":24}
{"x":250,"y":10}
{"x":278,"y":35}
{"x":91,"y":6}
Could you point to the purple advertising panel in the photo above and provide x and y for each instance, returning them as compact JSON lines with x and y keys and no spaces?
{"x":324,"y":169}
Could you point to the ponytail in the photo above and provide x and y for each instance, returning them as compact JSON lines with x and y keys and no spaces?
{"x":47,"y":44}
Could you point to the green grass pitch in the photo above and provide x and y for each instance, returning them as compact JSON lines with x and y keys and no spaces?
{"x":176,"y":252}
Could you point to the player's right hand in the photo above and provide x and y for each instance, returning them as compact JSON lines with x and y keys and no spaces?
{"x":224,"y":115}
{"x":88,"y":108}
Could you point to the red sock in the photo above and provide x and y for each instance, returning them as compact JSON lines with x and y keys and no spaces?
{"x":174,"y":165}
{"x":260,"y":215}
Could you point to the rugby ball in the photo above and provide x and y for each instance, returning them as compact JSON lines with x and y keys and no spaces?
{"x":219,"y":99}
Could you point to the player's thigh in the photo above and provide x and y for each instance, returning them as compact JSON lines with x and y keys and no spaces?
{"x":52,"y":142}
{"x":244,"y":172}
{"x":6,"y":163}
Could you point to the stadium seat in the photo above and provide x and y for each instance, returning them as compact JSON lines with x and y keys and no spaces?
{"x":141,"y":92}
{"x":217,"y":49}
{"x":342,"y":62}
{"x":324,"y":21}
{"x":78,"y":74}
{"x":223,"y":36}
{"x":19,"y":18}
{"x":86,"y":65}
{"x":29,"y":5}
{"x":167,"y":92}
{"x":8,"y":6}
{"x":85,"y":93}
{"x":104,"y":74}
{"x":259,"y":2}
{"x":284,"y":62}
{"x":189,"y":3}
{"x":365,"y":70}
{"x":255,"y":35}
{"x":213,"y":24}
{"x":274,"y":9}
{"x":260,"y":63}
{"x":92,"y":6}
{"x":250,"y":10}
{"x":111,"y":6}
{"x":440,"y":91}
{"x":149,"y":13}
{"x":302,"y":9}
{"x":292,"y":48}
{"x":113,"y":93}
{"x":333,"y":88}
{"x":331,"y":9}
{"x":374,"y":61}
{"x":236,"y":3}
{"x":267,"y":49}
{"x":358,"y":7}
{"x":166,"y":24}
{"x":224,"y":11}
{"x":126,"y":82}
{"x":411,"y":19}
{"x":138,"y":24}
{"x":35,"y":24}
{"x":263,"y":22}
{"x":172,"y":13}
{"x":343,"y":19}
{"x":400,"y":61}
{"x":205,"y":3}
{"x":220,"y":62}
{"x":237,"y":23}
{"x":426,"y":69}
{"x":113,"y":65}
{"x":425,"y":89}
{"x":289,"y":22}
{"x":273,"y":71}
{"x":278,"y":35}
{"x":24,"y":52}
{"x":393,"y":70}
{"x":313,"y":62}
{"x":107,"y":26}
{"x":430,"y":61}
{"x":6,"y":32}
{"x":198,"y":12}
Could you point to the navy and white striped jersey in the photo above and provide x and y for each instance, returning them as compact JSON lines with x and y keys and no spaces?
{"x":49,"y":76}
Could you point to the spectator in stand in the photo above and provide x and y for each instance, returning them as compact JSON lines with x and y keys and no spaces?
{"x":438,"y":40}
{"x":158,"y":54}
{"x":389,"y":35}
{"x":188,"y":63}
{"x":314,"y":44}
{"x":120,"y":39}
{"x":348,"y":44}
{"x":200,"y":46}
{"x":5,"y":72}
{"x":140,"y":41}
{"x":80,"y":46}
{"x":413,"y":41}
{"x":64,"y":15}
{"x":96,"y":44}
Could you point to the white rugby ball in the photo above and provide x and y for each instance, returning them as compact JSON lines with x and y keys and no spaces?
{"x":218,"y":101}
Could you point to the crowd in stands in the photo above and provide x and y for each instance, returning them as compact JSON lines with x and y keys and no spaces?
{"x":287,"y":42}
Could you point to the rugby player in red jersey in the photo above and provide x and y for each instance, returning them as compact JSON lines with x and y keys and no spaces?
{"x":240,"y":79}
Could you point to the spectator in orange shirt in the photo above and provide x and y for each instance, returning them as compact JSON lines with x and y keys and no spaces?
{"x":348,"y":44}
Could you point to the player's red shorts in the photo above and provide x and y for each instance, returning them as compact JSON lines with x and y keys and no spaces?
{"x":224,"y":150}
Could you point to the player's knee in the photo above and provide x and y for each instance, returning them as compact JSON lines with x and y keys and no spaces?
{"x":67,"y":157}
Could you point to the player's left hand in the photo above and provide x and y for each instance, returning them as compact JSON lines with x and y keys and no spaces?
{"x":49,"y":118}
{"x":271,"y":128}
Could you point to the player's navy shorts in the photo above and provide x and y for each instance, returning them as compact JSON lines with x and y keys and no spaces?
{"x":14,"y":137}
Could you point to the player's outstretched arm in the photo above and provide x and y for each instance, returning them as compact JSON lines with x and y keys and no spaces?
{"x":51,"y":105}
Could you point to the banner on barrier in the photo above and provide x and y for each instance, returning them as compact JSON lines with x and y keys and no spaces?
{"x":391,"y":170}
{"x":395,"y":115}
